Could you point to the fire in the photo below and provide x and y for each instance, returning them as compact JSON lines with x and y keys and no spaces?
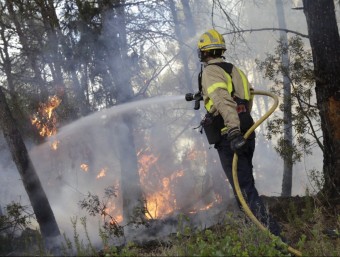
{"x":158,"y":184}
{"x":45,"y":119}
{"x":119,"y":218}
{"x":54,"y":145}
{"x":192,"y":155}
{"x":111,"y":210}
{"x":84,"y":167}
{"x":158,"y":203}
{"x":145,"y":162}
{"x":53,"y":102}
{"x":102,"y":173}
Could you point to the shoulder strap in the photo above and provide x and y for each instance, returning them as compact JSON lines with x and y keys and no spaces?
{"x":200,"y":80}
{"x":228,"y":68}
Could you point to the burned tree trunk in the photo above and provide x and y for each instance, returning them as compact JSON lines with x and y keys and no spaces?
{"x":325,"y":43}
{"x":41,"y":207}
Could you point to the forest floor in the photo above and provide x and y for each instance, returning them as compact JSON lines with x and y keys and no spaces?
{"x":298,"y":216}
{"x":301,"y":218}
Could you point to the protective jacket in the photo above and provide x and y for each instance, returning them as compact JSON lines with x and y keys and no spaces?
{"x":220,"y":90}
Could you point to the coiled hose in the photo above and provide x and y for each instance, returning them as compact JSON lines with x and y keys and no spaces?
{"x":234,"y":169}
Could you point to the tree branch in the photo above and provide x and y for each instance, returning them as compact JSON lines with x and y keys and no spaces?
{"x":266,"y":29}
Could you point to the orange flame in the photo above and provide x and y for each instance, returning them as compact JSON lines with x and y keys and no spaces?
{"x":113,"y":211}
{"x":45,"y":119}
{"x":84,"y":167}
{"x":54,"y":145}
{"x":102,"y":173}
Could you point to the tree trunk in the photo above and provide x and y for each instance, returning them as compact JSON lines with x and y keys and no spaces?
{"x":182,"y":53}
{"x":114,"y":30}
{"x":41,"y":207}
{"x":190,"y":28}
{"x":325,"y":43}
{"x":132,"y":194}
{"x":287,"y":108}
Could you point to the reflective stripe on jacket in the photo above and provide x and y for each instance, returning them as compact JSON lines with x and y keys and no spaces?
{"x":217,"y":86}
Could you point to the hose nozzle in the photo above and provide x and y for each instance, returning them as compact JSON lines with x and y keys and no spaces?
{"x":197,"y":97}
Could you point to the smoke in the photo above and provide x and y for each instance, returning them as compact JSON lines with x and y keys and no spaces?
{"x":93,"y":141}
{"x":86,"y":160}
{"x":160,"y":124}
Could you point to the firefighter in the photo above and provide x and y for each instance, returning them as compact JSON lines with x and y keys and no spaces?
{"x":227,"y":98}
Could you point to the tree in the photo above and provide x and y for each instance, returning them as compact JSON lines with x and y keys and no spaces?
{"x":30,"y":48}
{"x":305,"y":121}
{"x":41,"y":207}
{"x":287,"y":112}
{"x":119,"y":78}
{"x":287,"y":109}
{"x":325,"y":43}
{"x":183,"y":55}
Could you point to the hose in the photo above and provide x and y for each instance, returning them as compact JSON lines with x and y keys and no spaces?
{"x":234,"y":170}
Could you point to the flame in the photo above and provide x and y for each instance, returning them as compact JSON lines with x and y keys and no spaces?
{"x":54,"y":145}
{"x":119,"y":218}
{"x":102,"y":173}
{"x":158,"y":182}
{"x":84,"y":167}
{"x":192,"y":155}
{"x":112,"y":210}
{"x":146,"y":161}
{"x":157,"y":185}
{"x":177,"y":174}
{"x":158,"y":204}
{"x":45,"y":119}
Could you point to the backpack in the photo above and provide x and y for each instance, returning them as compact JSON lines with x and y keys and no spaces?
{"x":213,"y":125}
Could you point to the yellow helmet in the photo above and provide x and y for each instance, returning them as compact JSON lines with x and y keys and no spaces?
{"x":211,"y":40}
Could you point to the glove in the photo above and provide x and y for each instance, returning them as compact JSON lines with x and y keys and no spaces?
{"x":237,"y":140}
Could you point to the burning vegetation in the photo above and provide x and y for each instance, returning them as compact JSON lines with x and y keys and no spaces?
{"x":45,"y":119}
{"x":160,"y":183}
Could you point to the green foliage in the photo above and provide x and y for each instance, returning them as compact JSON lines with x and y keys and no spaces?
{"x":304,"y":113}
{"x":18,"y":218}
{"x":81,"y":248}
{"x":16,"y":234}
{"x":96,"y":206}
{"x":110,"y":229}
{"x":317,"y":179}
{"x":233,"y":237}
{"x":298,"y":215}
